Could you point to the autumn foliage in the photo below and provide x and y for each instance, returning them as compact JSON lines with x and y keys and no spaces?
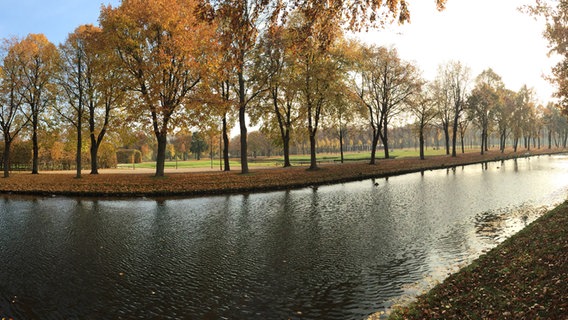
{"x":163,"y":46}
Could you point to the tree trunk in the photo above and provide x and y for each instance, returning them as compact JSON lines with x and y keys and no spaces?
{"x":78,"y":158}
{"x":421,"y":138}
{"x":374,"y":144}
{"x":385,"y":140}
{"x":242,"y":124}
{"x":455,"y":134}
{"x":94,"y":155}
{"x":486,"y":139}
{"x":528,"y":143}
{"x":226,"y":144}
{"x":286,"y":147}
{"x":549,"y":139}
{"x":313,"y":159}
{"x":161,"y":155}
{"x":482,"y":141}
{"x":503,"y":140}
{"x":6,"y":158}
{"x":462,"y":139}
{"x":341,"y":143}
{"x":447,"y":137}
{"x":35,"y":145}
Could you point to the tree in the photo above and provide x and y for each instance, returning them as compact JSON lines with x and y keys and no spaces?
{"x":319,"y":71}
{"x":454,"y":80}
{"x":555,"y":13}
{"x":260,"y":145}
{"x":385,"y":86}
{"x":483,"y":102}
{"x":198,"y":145}
{"x":92,"y":83}
{"x":441,"y":99}
{"x":278,"y":108}
{"x":503,"y":116}
{"x":12,"y":118}
{"x":243,"y":21}
{"x":359,"y":15}
{"x":520,"y":117}
{"x":38,"y":60}
{"x":526,"y":108}
{"x":106,"y":91}
{"x":221,"y":87}
{"x":72,"y":80}
{"x":343,"y":110}
{"x":240,"y":22}
{"x":555,"y":123}
{"x":424,"y":109}
{"x":163,"y":45}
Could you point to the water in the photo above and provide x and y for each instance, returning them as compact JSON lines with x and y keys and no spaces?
{"x":333,"y":252}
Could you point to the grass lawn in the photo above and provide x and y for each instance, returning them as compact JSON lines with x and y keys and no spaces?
{"x":203,"y":163}
{"x":295,"y":159}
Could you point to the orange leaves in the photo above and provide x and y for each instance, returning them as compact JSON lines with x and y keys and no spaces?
{"x":165,"y":47}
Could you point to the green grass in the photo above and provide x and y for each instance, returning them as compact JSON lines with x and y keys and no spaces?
{"x":190,"y":164}
{"x":295,"y":159}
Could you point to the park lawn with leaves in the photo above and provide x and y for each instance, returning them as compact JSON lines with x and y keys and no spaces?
{"x":525,"y":277}
{"x":211,"y":183}
{"x":203,"y":163}
{"x":276,"y":161}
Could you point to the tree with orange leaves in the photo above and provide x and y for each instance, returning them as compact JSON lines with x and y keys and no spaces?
{"x":92,"y":85}
{"x":12,"y":118}
{"x":38,"y":62}
{"x":163,"y":45}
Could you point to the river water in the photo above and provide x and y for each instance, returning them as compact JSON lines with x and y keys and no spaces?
{"x":333,"y":252}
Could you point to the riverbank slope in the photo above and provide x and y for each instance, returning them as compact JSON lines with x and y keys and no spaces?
{"x":525,"y":277}
{"x":130,"y":184}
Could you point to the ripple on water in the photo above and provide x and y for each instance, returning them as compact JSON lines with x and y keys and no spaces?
{"x":334,"y":252}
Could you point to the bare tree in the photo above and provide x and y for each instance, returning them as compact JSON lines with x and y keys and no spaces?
{"x":454,"y":78}
{"x":483,"y":102}
{"x":423,"y":107}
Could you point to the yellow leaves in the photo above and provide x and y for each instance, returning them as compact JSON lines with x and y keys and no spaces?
{"x":36,"y":50}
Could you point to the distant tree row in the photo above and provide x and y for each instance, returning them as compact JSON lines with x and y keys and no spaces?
{"x":168,"y":68}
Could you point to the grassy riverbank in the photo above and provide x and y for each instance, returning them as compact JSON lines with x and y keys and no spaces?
{"x":525,"y":277}
{"x":137,"y":183}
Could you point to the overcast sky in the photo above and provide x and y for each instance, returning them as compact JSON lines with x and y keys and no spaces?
{"x":480,"y":33}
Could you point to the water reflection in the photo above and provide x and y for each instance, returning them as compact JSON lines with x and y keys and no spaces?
{"x":331,"y":252}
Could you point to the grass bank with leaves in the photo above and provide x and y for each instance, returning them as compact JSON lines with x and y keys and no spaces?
{"x":525,"y":277}
{"x":132,"y":184}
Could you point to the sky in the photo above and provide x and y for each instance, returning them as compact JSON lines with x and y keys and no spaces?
{"x":480,"y":33}
{"x":54,"y":18}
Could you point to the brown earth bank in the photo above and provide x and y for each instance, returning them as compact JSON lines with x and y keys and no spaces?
{"x":130,"y":184}
{"x":525,"y":277}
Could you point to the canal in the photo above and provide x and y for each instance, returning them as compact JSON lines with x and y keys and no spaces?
{"x":342,"y":251}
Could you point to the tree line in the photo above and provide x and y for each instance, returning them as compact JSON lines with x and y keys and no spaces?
{"x":173,"y":66}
